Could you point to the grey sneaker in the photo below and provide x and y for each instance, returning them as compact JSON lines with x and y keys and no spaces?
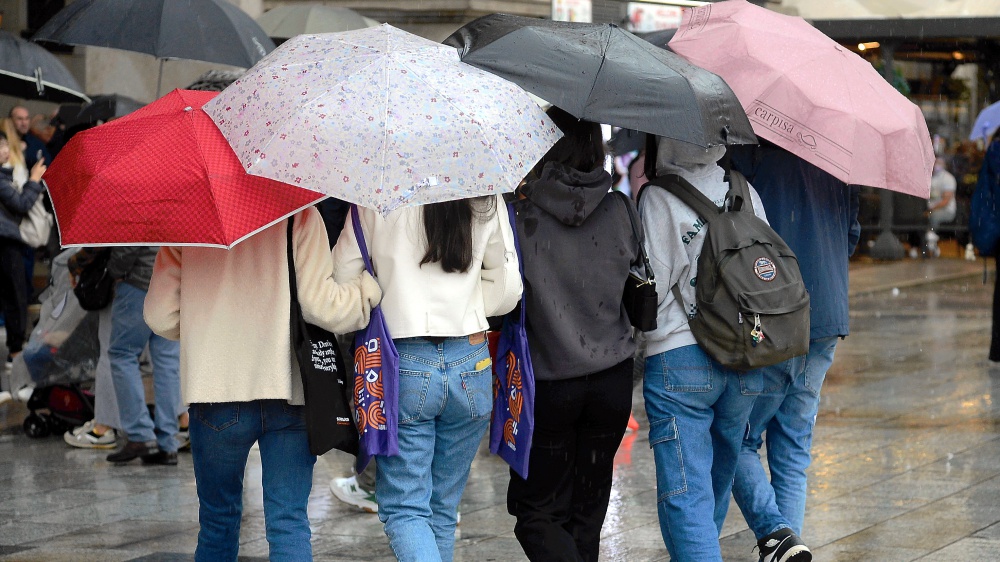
{"x":348,"y":491}
{"x":783,"y":545}
{"x":90,"y":440}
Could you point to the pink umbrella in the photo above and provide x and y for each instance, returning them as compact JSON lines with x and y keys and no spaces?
{"x":811,"y":96}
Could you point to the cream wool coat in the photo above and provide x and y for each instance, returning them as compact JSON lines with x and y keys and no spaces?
{"x":424,"y":300}
{"x":230,"y":310}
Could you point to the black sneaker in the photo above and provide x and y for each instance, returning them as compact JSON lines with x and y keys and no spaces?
{"x":783,"y":545}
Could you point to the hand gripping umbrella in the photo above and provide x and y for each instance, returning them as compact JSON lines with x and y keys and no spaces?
{"x":163,"y":175}
{"x":811,"y":96}
{"x":28,"y":71}
{"x":603,"y":73}
{"x":204,"y":30}
{"x":381,"y":118}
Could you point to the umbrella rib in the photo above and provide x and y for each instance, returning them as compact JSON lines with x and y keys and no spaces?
{"x":451,"y":102}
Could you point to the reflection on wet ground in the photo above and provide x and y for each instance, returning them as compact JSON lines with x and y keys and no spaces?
{"x":906,"y":467}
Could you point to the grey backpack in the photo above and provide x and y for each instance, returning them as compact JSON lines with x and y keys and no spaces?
{"x":752,"y":306}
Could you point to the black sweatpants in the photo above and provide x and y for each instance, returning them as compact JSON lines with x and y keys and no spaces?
{"x":13,"y":292}
{"x":579,"y":424}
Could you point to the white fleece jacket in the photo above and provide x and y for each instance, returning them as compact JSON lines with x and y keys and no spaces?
{"x":230,"y":310}
{"x":423,"y":300}
{"x":675,"y":235}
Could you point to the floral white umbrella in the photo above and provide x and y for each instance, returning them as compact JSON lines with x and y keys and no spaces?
{"x":381,"y":118}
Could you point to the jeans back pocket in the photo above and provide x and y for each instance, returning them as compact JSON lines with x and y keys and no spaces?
{"x":478,"y":386}
{"x":217,"y":415}
{"x":413,"y":387}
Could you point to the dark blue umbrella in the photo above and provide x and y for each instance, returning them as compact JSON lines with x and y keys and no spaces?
{"x":28,"y":71}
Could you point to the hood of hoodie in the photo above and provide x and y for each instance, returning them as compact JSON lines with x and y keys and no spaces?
{"x":685,"y":159}
{"x":568,"y":195}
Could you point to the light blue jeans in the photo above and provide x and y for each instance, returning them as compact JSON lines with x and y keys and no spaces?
{"x":222,"y":434}
{"x":129,"y":335}
{"x":445,"y":402}
{"x":698,"y":413}
{"x":784,"y":414}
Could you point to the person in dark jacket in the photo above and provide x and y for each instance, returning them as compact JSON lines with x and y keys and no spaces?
{"x":577,"y":246}
{"x":151,"y":439}
{"x":817,"y":215}
{"x":14,"y":205}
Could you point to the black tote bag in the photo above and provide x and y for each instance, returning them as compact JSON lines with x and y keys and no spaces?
{"x":329,"y":421}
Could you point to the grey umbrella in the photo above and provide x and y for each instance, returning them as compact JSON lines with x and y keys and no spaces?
{"x":289,"y":20}
{"x":603,"y":73}
{"x":204,"y":30}
{"x":29,"y":71}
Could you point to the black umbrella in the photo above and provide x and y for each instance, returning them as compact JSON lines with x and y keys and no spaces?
{"x":603,"y":73}
{"x":624,"y":141}
{"x":106,"y":107}
{"x":205,"y":30}
{"x":28,"y":71}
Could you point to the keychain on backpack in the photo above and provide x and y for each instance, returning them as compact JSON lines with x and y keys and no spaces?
{"x":756,"y":335}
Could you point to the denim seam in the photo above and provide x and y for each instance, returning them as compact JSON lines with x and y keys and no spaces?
{"x":228,"y":424}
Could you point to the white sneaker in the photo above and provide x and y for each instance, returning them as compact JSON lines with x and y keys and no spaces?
{"x":5,"y":397}
{"x":88,"y":440}
{"x":24,"y":393}
{"x":84,"y":428}
{"x":348,"y":491}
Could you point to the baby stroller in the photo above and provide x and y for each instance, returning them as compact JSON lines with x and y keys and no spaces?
{"x":60,"y":355}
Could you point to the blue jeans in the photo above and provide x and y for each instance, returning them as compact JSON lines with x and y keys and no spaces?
{"x":445,"y":402}
{"x":221,"y":437}
{"x":129,"y":335}
{"x":698,"y":413}
{"x":784,"y":415}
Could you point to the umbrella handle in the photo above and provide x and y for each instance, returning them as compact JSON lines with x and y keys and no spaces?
{"x":38,"y":81}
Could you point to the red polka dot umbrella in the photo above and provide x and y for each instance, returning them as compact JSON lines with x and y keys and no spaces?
{"x":163,"y":176}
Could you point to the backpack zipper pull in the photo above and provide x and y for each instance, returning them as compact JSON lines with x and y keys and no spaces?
{"x":756,"y":335}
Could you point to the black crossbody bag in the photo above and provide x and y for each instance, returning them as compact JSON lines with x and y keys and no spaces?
{"x":639,"y":297}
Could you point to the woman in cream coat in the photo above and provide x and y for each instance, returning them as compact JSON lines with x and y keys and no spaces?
{"x":443,"y":269}
{"x":230,"y":310}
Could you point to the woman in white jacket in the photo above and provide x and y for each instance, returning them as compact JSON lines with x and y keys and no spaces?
{"x":443,"y":269}
{"x":230,"y":309}
{"x":697,"y":408}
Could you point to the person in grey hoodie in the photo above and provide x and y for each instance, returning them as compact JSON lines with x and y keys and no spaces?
{"x":151,"y":439}
{"x":577,"y":247}
{"x":697,"y":409}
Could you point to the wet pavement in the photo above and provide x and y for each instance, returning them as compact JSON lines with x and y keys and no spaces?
{"x":906,"y":460}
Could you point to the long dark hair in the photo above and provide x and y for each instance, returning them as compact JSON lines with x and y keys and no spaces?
{"x":580,"y":148}
{"x":448,"y":227}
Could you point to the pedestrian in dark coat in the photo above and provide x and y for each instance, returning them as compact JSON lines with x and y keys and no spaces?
{"x":577,"y":247}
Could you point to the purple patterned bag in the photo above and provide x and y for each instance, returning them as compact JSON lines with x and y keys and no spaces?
{"x":513,"y":419}
{"x":376,"y":378}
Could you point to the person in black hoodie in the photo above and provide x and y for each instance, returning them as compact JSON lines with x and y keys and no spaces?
{"x":577,"y":247}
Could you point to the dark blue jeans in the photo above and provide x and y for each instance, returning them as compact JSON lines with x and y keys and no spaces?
{"x":222,"y":434}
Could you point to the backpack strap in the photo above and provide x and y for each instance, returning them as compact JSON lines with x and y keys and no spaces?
{"x":687,"y":193}
{"x":739,"y":192}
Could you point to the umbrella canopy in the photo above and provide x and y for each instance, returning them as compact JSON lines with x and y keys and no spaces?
{"x":105,"y":107}
{"x":603,"y":73}
{"x":289,"y":20}
{"x":810,"y":96}
{"x":381,"y":118}
{"x":987,"y":123}
{"x":163,"y":175}
{"x":28,"y":71}
{"x":205,"y":30}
